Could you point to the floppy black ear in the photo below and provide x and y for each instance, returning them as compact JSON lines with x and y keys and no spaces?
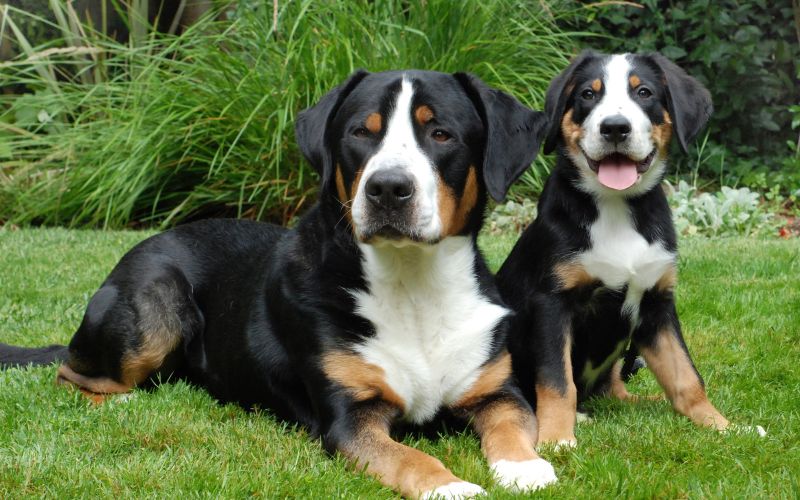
{"x":688,"y":101}
{"x":513,"y":134}
{"x":312,"y":126}
{"x":555,"y":102}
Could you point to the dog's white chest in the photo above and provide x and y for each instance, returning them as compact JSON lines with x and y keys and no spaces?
{"x":620,"y":256}
{"x":433,"y":328}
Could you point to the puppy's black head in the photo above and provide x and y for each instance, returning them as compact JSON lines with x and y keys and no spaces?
{"x":410,"y":155}
{"x":615,"y":116}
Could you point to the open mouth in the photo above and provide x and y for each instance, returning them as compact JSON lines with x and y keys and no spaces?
{"x":618,"y":171}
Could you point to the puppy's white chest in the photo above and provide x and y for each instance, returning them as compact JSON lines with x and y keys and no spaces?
{"x":433,"y":328}
{"x":620,"y":255}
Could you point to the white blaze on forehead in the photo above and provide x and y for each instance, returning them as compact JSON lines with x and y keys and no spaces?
{"x":400,"y":150}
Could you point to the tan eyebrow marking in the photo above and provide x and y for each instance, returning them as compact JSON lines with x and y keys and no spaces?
{"x":423,"y":114}
{"x":374,"y":123}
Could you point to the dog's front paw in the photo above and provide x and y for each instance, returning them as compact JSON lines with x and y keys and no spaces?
{"x":454,"y":490}
{"x":527,"y":475}
{"x":557,"y":444}
{"x":745,"y":429}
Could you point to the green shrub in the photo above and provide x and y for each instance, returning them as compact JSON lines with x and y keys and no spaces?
{"x":202,"y":124}
{"x":727,"y":212}
{"x":747,"y":54}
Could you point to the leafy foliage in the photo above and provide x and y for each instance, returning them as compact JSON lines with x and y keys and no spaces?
{"x":727,"y":212}
{"x":202,"y":124}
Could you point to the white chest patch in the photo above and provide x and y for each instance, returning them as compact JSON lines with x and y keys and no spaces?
{"x":621,"y":256}
{"x":433,"y":327}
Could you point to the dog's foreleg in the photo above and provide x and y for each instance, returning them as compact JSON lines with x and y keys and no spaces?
{"x":361,"y":434}
{"x":507,"y":428}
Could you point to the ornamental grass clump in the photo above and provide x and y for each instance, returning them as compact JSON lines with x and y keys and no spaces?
{"x":171,"y":128}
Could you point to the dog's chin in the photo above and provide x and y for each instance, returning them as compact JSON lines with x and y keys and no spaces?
{"x":389,"y":234}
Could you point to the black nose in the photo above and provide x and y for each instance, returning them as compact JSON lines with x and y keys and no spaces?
{"x":615,"y":128}
{"x":390,"y":188}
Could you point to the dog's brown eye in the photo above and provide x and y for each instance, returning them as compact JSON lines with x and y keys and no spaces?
{"x":440,"y":135}
{"x":361,"y":132}
{"x":644,"y":92}
{"x":587,"y":94}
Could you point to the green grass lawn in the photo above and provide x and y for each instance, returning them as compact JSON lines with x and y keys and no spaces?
{"x":740,"y":304}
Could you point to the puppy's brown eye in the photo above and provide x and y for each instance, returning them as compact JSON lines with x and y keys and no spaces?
{"x":361,"y":132}
{"x":587,"y":94}
{"x":644,"y":92}
{"x":440,"y":135}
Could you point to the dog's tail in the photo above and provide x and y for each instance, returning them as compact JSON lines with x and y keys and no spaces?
{"x":11,"y":356}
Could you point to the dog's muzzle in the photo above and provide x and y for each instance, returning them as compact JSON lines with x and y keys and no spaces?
{"x":390,"y":196}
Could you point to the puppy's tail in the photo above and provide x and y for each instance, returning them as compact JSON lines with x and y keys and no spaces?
{"x":11,"y":356}
{"x":632,"y":363}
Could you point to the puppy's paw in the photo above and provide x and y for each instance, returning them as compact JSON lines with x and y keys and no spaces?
{"x":557,"y":444}
{"x":583,"y":418}
{"x":528,"y":475}
{"x":565,"y":444}
{"x":745,"y":429}
{"x":454,"y":490}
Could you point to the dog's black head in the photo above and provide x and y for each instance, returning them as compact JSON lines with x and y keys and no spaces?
{"x":615,"y":116}
{"x":410,"y":155}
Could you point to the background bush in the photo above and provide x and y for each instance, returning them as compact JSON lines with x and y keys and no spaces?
{"x":746,"y":53}
{"x":202,"y":124}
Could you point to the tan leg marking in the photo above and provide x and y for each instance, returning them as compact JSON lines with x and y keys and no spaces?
{"x":572,"y":133}
{"x":555,"y":411}
{"x":572,"y":275}
{"x":156,"y":345}
{"x":492,"y":378}
{"x":662,"y":134}
{"x":673,"y":370}
{"x":409,"y":471}
{"x":507,"y":432}
{"x":454,"y":212}
{"x":92,"y":387}
{"x":617,"y":388}
{"x":362,"y":379}
{"x":423,"y":114}
{"x":374,"y":123}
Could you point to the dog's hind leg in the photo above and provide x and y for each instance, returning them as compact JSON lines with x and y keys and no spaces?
{"x":131,"y":332}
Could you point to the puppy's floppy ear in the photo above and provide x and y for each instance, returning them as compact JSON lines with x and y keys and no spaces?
{"x":313,"y":126}
{"x":555,"y":103}
{"x":688,"y":101}
{"x":513,"y":134}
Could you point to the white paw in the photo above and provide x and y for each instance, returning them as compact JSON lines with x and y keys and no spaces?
{"x":560,"y":445}
{"x":124,"y":397}
{"x":565,"y":444}
{"x":454,"y":490}
{"x":583,"y":418}
{"x":528,"y":475}
{"x":746,"y":429}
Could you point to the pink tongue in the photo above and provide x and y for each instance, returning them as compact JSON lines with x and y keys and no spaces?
{"x":617,"y":172}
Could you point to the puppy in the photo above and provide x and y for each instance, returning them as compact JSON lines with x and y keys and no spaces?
{"x":595,"y":272}
{"x":376,"y":309}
